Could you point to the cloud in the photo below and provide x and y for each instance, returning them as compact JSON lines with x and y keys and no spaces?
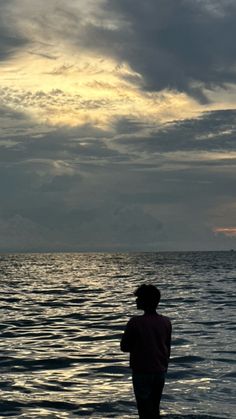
{"x":100,"y":150}
{"x":184,"y":46}
{"x":181,"y":45}
{"x":131,"y":186}
{"x":57,"y":194}
{"x":102,"y":60}
{"x":54,"y":105}
{"x":11,"y":38}
{"x":20,"y":234}
{"x":209,"y":133}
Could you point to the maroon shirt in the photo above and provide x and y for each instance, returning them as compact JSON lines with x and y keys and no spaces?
{"x":148,"y":339}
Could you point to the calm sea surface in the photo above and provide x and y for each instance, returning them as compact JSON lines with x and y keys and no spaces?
{"x":62,"y":316}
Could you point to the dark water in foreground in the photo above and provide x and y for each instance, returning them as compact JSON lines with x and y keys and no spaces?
{"x":61,"y":320}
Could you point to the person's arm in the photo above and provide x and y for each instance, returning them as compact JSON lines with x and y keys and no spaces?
{"x":127,"y":339}
{"x":169,"y":340}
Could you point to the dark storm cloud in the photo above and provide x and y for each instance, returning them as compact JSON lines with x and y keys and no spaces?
{"x":85,"y":188}
{"x":60,"y":190}
{"x":173,"y":44}
{"x":33,"y":145}
{"x":81,"y":144}
{"x":213,"y":131}
{"x":10,"y":114}
{"x":10,"y":37}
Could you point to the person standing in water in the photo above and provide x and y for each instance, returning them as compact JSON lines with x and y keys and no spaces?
{"x":148,"y":339}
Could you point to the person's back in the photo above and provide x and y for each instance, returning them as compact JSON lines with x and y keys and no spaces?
{"x":148,"y":339}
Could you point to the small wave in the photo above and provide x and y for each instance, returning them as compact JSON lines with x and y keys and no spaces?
{"x":61,"y":318}
{"x":194,"y":416}
{"x":186,"y":359}
{"x":31,"y":365}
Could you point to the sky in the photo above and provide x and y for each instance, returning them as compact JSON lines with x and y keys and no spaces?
{"x":117,"y":125}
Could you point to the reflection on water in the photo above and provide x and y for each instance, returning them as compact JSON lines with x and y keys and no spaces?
{"x":62,"y":317}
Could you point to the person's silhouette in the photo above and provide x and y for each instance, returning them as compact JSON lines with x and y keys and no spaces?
{"x":148,"y":339}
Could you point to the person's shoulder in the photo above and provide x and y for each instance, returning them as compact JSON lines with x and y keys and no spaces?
{"x":134,"y":319}
{"x":165,"y":319}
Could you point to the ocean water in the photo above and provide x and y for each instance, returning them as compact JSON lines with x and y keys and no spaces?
{"x":62,"y":316}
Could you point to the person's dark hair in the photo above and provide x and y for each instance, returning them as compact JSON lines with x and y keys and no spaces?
{"x":149,"y":295}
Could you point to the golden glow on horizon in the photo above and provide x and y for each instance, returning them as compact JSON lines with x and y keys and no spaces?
{"x":227,"y":231}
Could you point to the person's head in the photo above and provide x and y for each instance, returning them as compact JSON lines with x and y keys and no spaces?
{"x":148,"y":297}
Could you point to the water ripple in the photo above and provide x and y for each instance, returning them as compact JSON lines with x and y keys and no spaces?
{"x":62,"y":316}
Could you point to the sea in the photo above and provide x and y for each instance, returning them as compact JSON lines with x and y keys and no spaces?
{"x":62,"y":317}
